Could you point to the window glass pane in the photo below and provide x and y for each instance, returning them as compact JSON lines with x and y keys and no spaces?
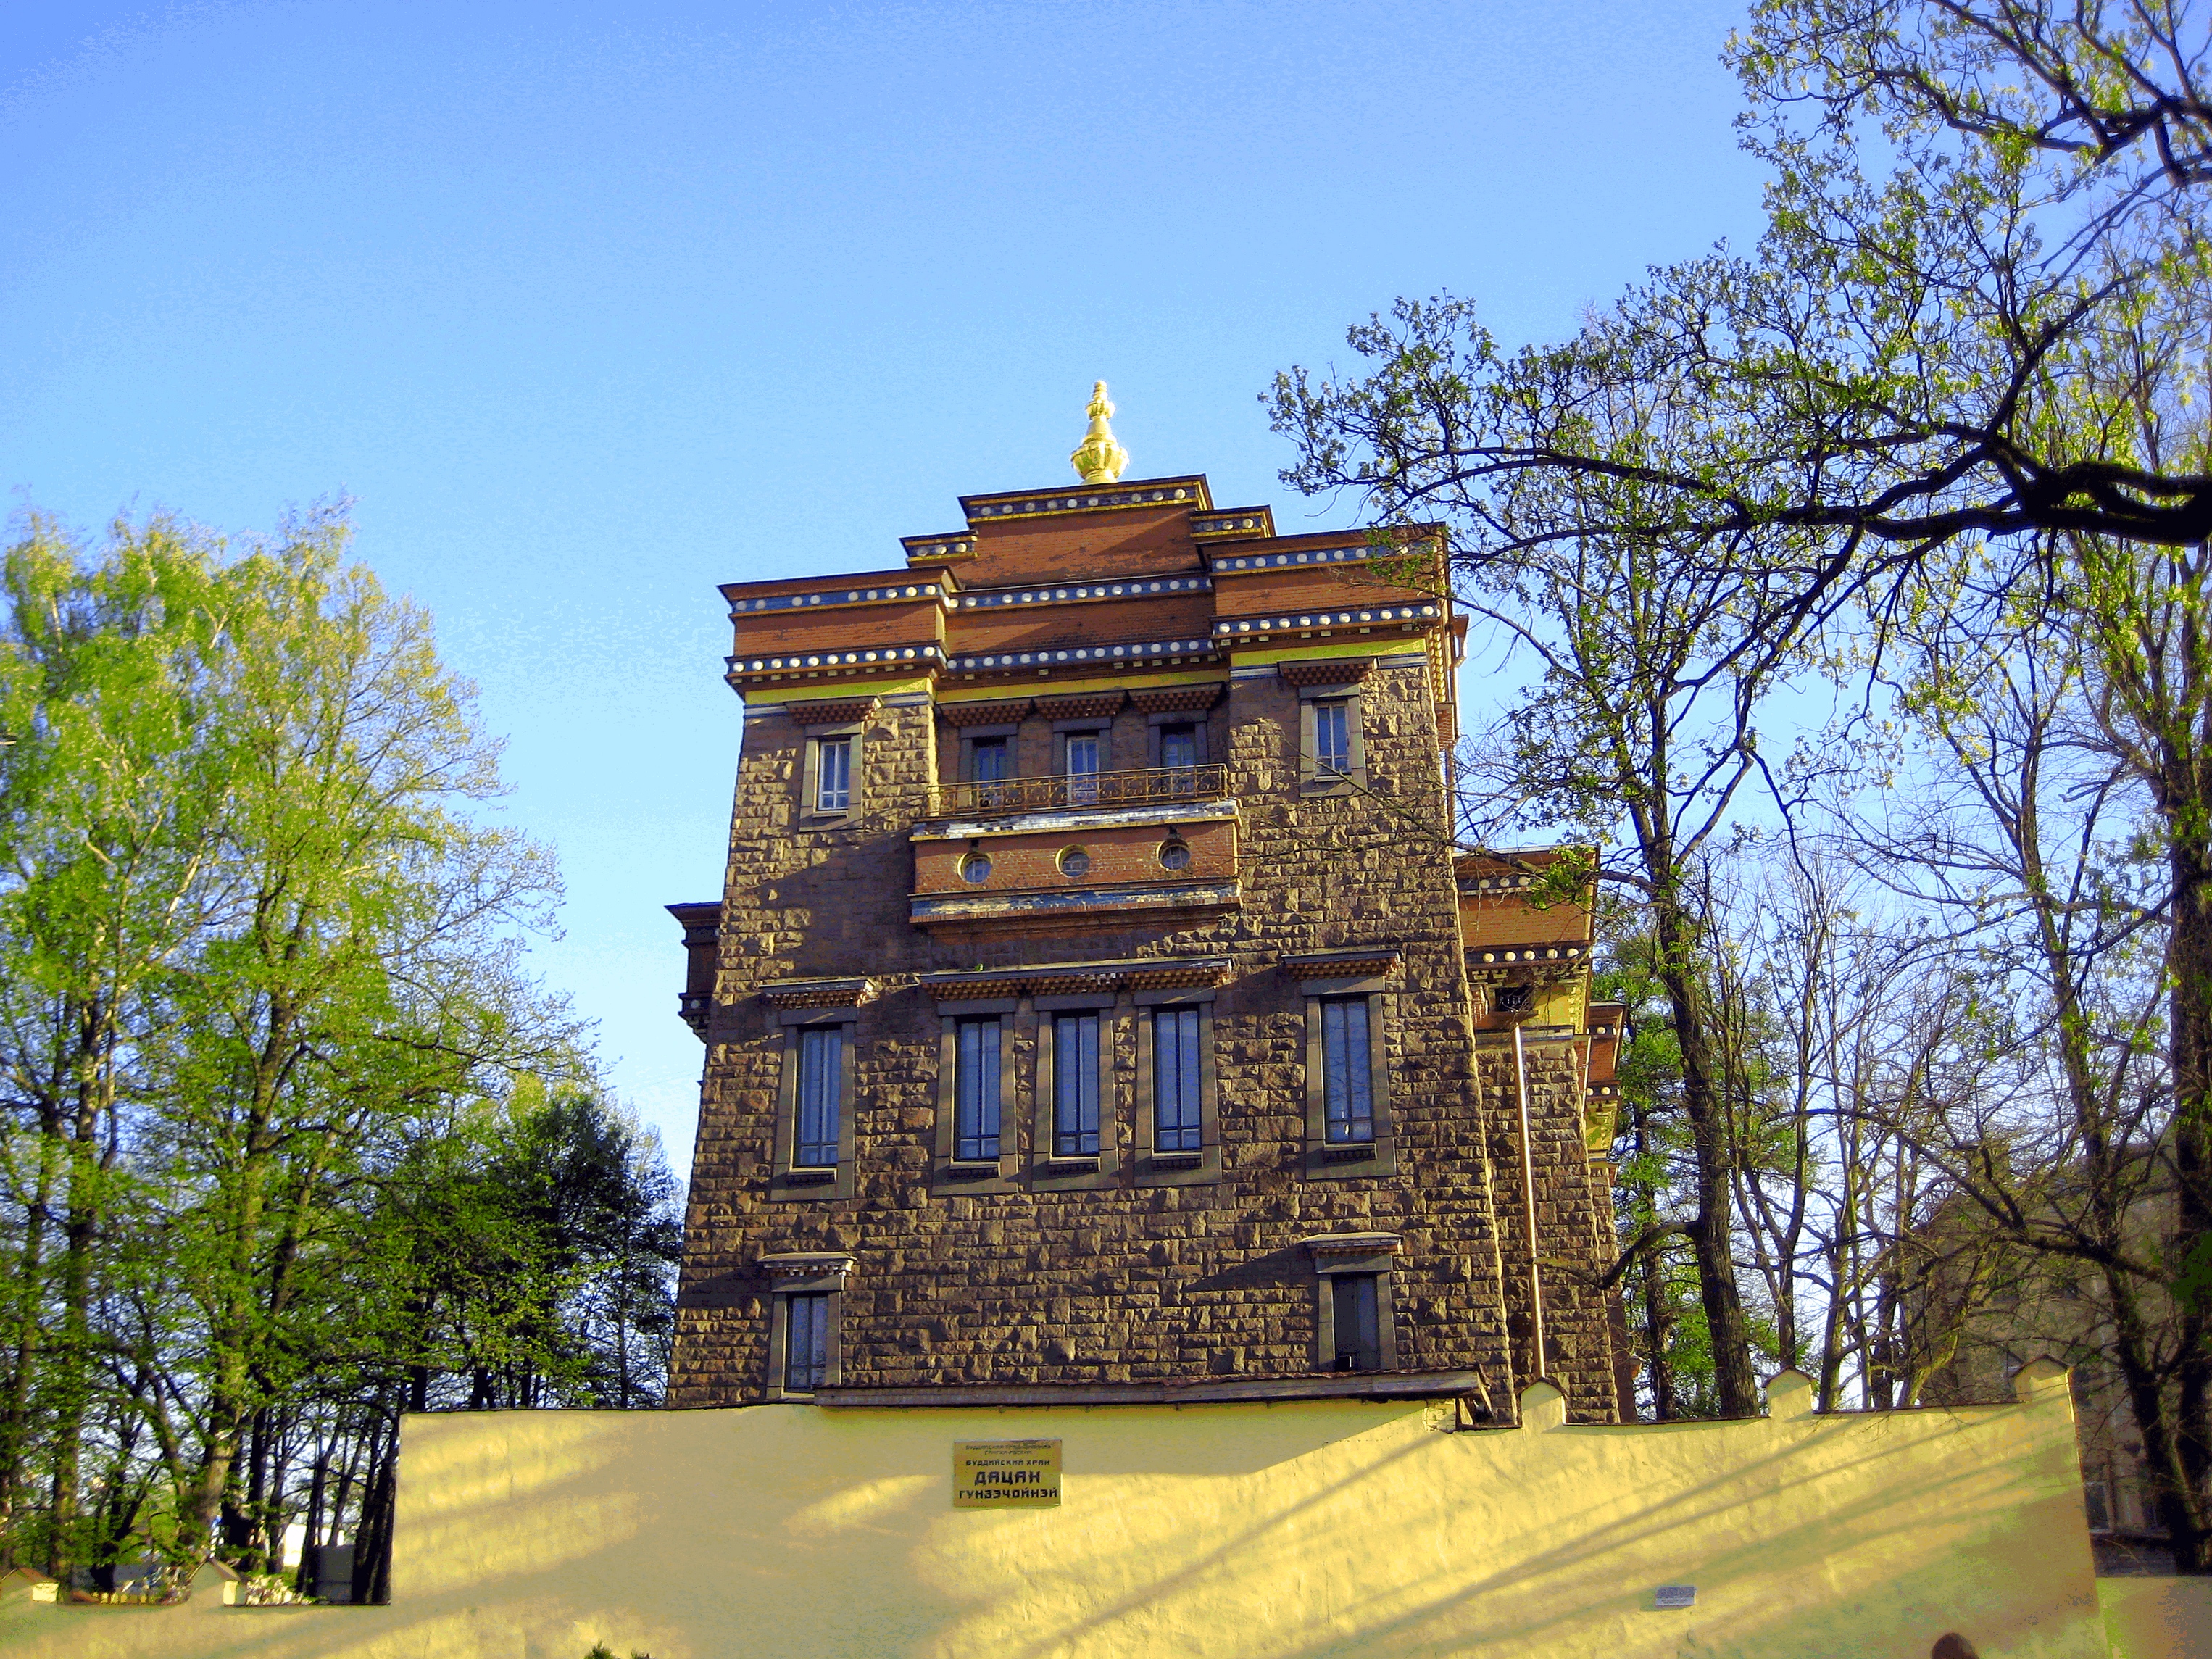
{"x":991,"y":760}
{"x":806,"y":1341}
{"x":1082,"y":752}
{"x":975,"y":1090}
{"x":1332,"y":736}
{"x":1075,"y":1085}
{"x":1178,"y":746}
{"x":1345,"y":1085}
{"x":821,"y":1096}
{"x":1358,"y":1329}
{"x":1176,"y":1080}
{"x":833,"y":775}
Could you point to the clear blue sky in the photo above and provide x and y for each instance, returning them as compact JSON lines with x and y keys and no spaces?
{"x":591,"y":309}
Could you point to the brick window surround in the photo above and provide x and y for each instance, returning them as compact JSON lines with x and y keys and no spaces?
{"x":1354,"y":1256}
{"x":803,"y":1272}
{"x":952,"y":1175}
{"x":1158,"y":1166}
{"x":788,"y":1180}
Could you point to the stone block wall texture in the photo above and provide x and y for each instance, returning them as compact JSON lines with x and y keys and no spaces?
{"x":1132,"y":1283}
{"x":1250,"y":1531}
{"x":1126,"y":1281}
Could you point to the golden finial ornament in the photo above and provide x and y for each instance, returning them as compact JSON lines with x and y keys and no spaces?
{"x":1098,"y":458}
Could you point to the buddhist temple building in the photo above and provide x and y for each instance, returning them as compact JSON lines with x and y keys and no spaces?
{"x":1097,"y":1007}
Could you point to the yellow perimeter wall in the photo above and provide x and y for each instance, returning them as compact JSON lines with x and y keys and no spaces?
{"x":1291,"y":1530}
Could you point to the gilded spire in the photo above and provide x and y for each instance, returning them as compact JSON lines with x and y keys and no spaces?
{"x":1098,"y":458}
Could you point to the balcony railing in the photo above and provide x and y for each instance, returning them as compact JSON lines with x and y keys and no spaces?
{"x":1140,"y":788}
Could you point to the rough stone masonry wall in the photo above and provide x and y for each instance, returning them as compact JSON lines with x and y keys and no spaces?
{"x":1571,"y":1252}
{"x":1131,"y":1283}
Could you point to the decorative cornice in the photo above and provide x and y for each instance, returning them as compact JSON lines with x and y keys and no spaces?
{"x":818,"y":993}
{"x":1190,"y":491}
{"x":796,"y":1265}
{"x":1103,"y":904}
{"x":886,"y":660}
{"x":1405,"y":616}
{"x":1329,"y":1247}
{"x":1325,"y":671}
{"x":1002,"y":711}
{"x":1085,"y":593}
{"x":1220,"y":562}
{"x":1234,"y":521}
{"x":1083,"y":706}
{"x":930,"y":549}
{"x":1097,"y":656}
{"x":832,"y":599}
{"x":1145,"y":974}
{"x":832,"y":711}
{"x":1341,"y":964}
{"x":1176,"y":699}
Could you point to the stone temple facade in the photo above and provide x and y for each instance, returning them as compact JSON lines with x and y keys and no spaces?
{"x":1097,"y":1007}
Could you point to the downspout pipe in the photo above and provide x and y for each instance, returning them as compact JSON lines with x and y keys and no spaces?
{"x":1528,"y":1205}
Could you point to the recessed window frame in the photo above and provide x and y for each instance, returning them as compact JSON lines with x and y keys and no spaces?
{"x":950,"y":1175}
{"x":1154,"y":1166}
{"x":788,"y":1180}
{"x":1360,"y":1256}
{"x":1155,"y":725}
{"x":804,"y":1273}
{"x":971,"y":735}
{"x":1313,"y":780}
{"x":811,"y":814}
{"x":1049,"y":1171}
{"x":1323,"y":1159}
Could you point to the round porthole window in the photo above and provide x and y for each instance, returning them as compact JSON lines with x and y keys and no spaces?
{"x":1075,"y":864}
{"x":1175,"y":855}
{"x":975,"y":867}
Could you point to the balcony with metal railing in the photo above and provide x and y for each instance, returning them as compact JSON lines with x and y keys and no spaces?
{"x":1148,"y":787}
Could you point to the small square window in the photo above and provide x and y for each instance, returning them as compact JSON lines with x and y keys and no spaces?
{"x":806,"y":1341}
{"x":976,"y":1092}
{"x":1514,"y":999}
{"x":1178,"y":746}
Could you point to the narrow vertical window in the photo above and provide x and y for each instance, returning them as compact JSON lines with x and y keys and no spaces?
{"x":1075,"y":1085}
{"x":1176,"y":1080}
{"x":1083,"y":768}
{"x":1332,"y":719}
{"x":806,"y":1342}
{"x":821,"y":1097}
{"x":976,"y":1092}
{"x":1359,"y":1326}
{"x":1348,"y":1086}
{"x":833,"y":775}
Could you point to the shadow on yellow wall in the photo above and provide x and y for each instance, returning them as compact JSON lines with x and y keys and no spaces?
{"x":1291,"y":1530}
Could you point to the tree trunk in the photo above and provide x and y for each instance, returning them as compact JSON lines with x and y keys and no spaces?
{"x":1714,"y":1162}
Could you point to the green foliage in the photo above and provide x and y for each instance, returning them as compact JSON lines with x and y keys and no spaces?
{"x":259,"y":994}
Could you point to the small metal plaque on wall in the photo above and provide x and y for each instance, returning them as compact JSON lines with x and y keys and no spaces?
{"x":1678,"y":1595}
{"x":1006,"y":1474}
